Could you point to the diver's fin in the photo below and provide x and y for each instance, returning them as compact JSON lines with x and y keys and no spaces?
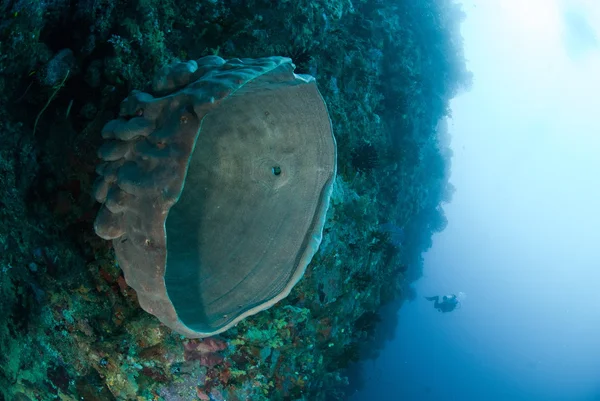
{"x":431,"y":298}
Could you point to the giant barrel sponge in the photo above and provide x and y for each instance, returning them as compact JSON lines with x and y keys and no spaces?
{"x":214,"y":189}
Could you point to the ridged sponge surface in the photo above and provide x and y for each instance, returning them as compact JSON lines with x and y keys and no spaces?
{"x":215,"y":188}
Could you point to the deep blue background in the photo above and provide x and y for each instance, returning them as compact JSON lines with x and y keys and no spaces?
{"x":523,"y":236}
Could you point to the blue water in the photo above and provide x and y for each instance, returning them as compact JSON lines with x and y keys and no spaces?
{"x":491,"y":349}
{"x":523,"y":226}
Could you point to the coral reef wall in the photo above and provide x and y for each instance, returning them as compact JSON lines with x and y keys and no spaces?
{"x":73,"y":330}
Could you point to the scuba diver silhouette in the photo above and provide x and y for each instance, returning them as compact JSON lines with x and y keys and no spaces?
{"x":448,"y":304}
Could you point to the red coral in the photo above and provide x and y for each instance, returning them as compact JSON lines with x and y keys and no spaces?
{"x":210,"y":360}
{"x":155,"y":373}
{"x":202,"y":394}
{"x":211,"y":345}
{"x":122,"y":285}
{"x":224,"y":376}
{"x":204,"y":351}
